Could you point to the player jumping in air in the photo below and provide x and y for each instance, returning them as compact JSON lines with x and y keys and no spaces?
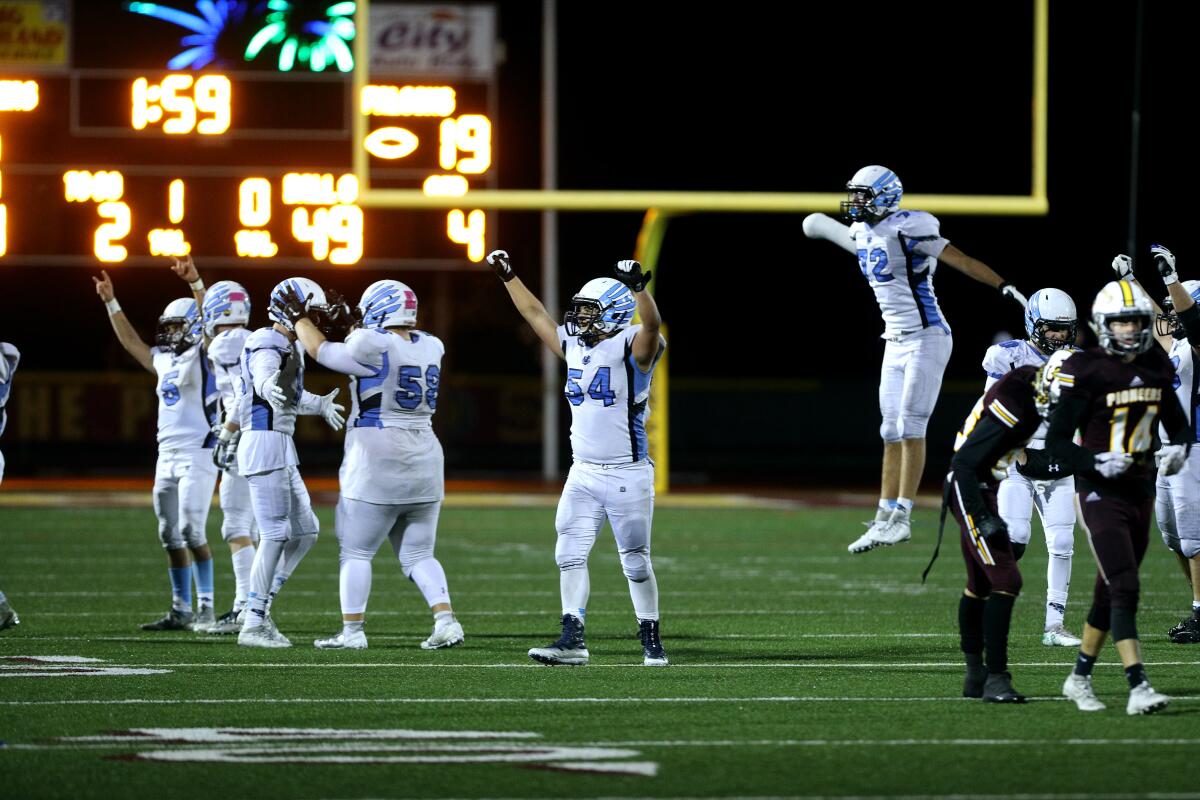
{"x":898,"y":253}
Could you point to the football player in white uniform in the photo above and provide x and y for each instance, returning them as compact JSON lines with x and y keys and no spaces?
{"x":391,"y":478}
{"x":898,"y":253}
{"x":1050,"y":322}
{"x":9,"y":358}
{"x":185,"y":476}
{"x":610,"y":364}
{"x":272,"y":394}
{"x":226,"y":313}
{"x":1177,"y":496}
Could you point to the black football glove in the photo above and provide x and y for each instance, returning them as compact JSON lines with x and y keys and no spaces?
{"x":991,"y":528}
{"x":630,"y":273}
{"x":337,"y":319}
{"x":501,"y":265}
{"x":291,"y":305}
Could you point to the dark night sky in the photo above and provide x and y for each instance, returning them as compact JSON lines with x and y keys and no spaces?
{"x":778,"y":97}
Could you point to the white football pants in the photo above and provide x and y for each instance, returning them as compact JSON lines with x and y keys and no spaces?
{"x":1177,"y":507}
{"x":184,"y":481}
{"x":1055,"y":503}
{"x":910,"y":380}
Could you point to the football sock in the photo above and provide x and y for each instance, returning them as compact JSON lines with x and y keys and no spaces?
{"x":430,"y":578}
{"x":443,"y":616}
{"x":242,"y":560}
{"x":1136,"y":675}
{"x":1084,"y":664}
{"x":886,"y":506}
{"x":1195,"y":608}
{"x":294,"y":551}
{"x":204,"y":582}
{"x":574,"y":586}
{"x":181,"y":587}
{"x":970,"y":627}
{"x":354,"y":585}
{"x":645,"y":597}
{"x":904,"y":503}
{"x":1058,"y":579}
{"x":352,"y":626}
{"x":265,"y":560}
{"x":997,"y":615}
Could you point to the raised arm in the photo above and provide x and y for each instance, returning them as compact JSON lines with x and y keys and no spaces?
{"x":185,"y":268}
{"x":1122,"y":267}
{"x":974,"y":268}
{"x":126,"y":335}
{"x":648,"y":342}
{"x":527,"y":304}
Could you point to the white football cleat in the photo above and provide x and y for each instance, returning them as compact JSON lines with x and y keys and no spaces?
{"x":445,"y":634}
{"x":355,"y":641}
{"x":204,"y":620}
{"x":867,"y":541}
{"x":1058,"y":636}
{"x":1079,"y":689}
{"x":898,"y":529}
{"x":230,"y":622}
{"x":265,"y":635}
{"x":1144,"y":700}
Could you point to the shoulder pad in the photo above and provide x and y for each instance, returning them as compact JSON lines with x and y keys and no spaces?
{"x":919,"y":223}
{"x":226,"y":347}
{"x":267,"y":337}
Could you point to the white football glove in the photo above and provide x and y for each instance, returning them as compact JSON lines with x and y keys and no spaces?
{"x":1112,"y":464}
{"x":1171,"y":458}
{"x":331,"y":411}
{"x":272,"y":392}
{"x":225,"y":450}
{"x":1008,"y":290}
{"x":1164,"y":259}
{"x":501,"y":265}
{"x":1122,"y":267}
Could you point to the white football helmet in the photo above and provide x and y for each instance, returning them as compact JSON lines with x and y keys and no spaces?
{"x":225,"y":303}
{"x":1167,"y":323}
{"x":1050,"y":309}
{"x":305,"y":288}
{"x":180,"y":314}
{"x":1122,"y":301}
{"x":602,"y":307}
{"x":1046,"y":389}
{"x":388,"y":304}
{"x":872,"y":194}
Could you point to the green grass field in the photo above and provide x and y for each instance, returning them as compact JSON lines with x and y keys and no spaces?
{"x":797,"y":670}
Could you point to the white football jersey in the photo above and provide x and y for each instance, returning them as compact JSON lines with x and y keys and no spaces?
{"x":9,"y":358}
{"x":1004,"y":357}
{"x":266,"y":442}
{"x":898,"y":256}
{"x":187,"y":398}
{"x":1183,"y":358}
{"x":225,"y":352}
{"x":403,"y":391}
{"x":609,"y":396}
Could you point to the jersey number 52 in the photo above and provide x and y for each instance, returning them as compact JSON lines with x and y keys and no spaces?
{"x":874,"y":265}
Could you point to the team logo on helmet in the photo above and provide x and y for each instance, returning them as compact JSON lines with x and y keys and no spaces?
{"x":388,"y":304}
{"x":872,"y":194}
{"x":602,"y":307}
{"x":1125,"y":304}
{"x":225,"y":303}
{"x":179,"y":326}
{"x":305,"y":289}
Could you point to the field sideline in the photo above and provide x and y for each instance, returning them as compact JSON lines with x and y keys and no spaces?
{"x":797,"y":670}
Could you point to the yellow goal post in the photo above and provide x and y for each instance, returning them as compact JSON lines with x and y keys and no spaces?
{"x":661,"y":206}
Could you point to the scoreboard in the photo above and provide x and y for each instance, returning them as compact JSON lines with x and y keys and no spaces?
{"x":122,"y":156}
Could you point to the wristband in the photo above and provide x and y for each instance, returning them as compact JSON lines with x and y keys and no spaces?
{"x":113,"y":306}
{"x":197,"y":285}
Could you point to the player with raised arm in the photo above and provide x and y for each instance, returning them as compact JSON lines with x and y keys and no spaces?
{"x":185,"y":476}
{"x":994,"y":443}
{"x":1050,"y":322}
{"x":392,"y":476}
{"x":1177,"y":497}
{"x":898,"y":253}
{"x":271,"y":389}
{"x":226,"y":313}
{"x":9,"y":358}
{"x":610,"y":364}
{"x":1115,"y":395}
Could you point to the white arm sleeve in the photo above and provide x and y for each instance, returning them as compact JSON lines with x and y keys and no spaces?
{"x":336,"y":356}
{"x":822,"y":226}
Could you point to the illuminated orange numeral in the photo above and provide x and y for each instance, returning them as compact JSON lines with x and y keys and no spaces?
{"x":173,"y":103}
{"x":175,"y":201}
{"x":214,"y":95}
{"x":470,"y":133}
{"x":314,"y":232}
{"x":3,"y":229}
{"x":345,"y":226}
{"x":468,"y":230}
{"x":254,"y":202}
{"x":108,"y":233}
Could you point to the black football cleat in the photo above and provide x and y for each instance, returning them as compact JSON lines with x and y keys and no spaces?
{"x":653,"y":654}
{"x":1186,"y":632}
{"x":569,"y":650}
{"x":998,"y":688}
{"x":1177,"y":628}
{"x":175,"y":620}
{"x":973,"y":683}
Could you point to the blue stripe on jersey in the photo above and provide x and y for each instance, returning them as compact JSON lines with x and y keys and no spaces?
{"x":208,"y":396}
{"x":370,"y":408}
{"x":638,"y":446}
{"x":923,"y":291}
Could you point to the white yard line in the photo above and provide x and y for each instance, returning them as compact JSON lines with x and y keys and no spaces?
{"x":1064,"y":665}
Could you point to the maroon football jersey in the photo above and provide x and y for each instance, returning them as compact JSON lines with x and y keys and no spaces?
{"x":1124,"y":404}
{"x":1009,"y":402}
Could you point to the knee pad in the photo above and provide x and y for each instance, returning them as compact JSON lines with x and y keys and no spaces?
{"x":889,"y":430}
{"x":912,"y":426}
{"x":1190,"y":548}
{"x":1172,"y":542}
{"x":1007,"y":581}
{"x":636,"y":564}
{"x":170,"y":536}
{"x":566,"y":553}
{"x":1123,"y":589}
{"x":1100,"y":617}
{"x":1060,"y":540}
{"x":1019,"y":532}
{"x":410,"y":558}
